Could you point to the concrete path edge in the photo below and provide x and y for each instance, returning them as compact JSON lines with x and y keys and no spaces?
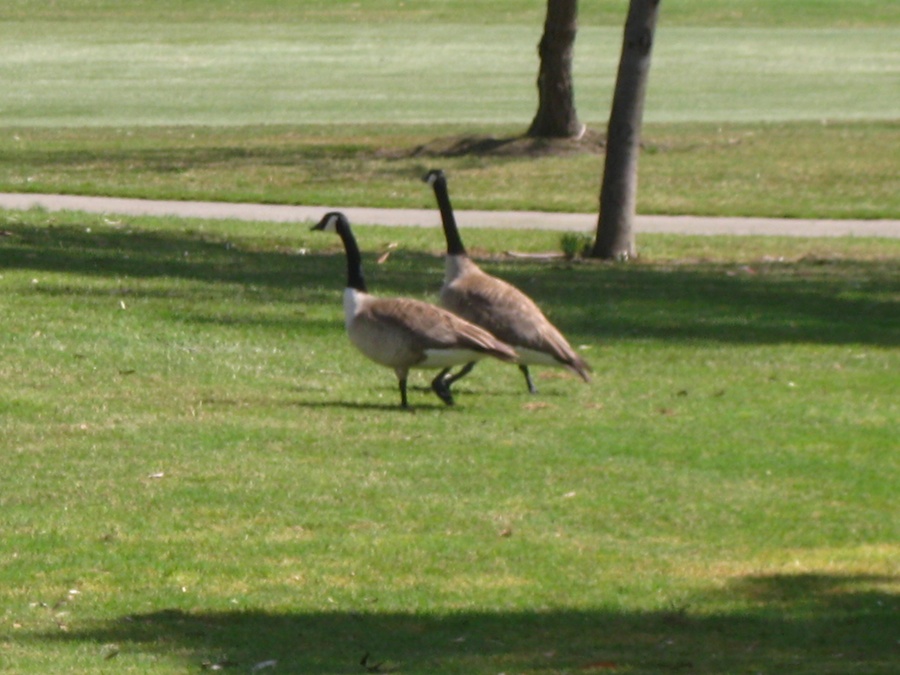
{"x":565,"y":222}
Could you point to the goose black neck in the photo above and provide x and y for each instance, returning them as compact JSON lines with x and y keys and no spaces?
{"x":454,"y":242}
{"x":354,"y":259}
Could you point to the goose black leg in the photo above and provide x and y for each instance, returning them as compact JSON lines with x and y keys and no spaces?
{"x":442,"y":388}
{"x":465,"y":370}
{"x":403,"y":401}
{"x":531,"y":388}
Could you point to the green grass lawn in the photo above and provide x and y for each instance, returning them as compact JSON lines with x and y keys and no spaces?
{"x":200,"y":471}
{"x":103,"y":71}
{"x":811,"y":170}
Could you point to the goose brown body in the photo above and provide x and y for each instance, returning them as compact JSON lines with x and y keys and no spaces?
{"x":509,"y":314}
{"x":497,"y":305}
{"x":404,"y":333}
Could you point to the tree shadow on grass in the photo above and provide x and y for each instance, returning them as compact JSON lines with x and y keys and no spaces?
{"x":136,"y":253}
{"x":805,"y":301}
{"x":508,"y":146}
{"x":808,"y":301}
{"x":813,"y":623}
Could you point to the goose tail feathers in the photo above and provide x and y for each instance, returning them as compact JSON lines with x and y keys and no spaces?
{"x":581,"y":368}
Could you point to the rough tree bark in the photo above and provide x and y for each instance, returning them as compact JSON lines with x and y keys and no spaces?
{"x":556,"y":116}
{"x":618,"y":192}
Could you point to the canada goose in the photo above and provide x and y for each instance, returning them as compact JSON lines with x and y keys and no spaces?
{"x":496,"y":305}
{"x":402,"y":333}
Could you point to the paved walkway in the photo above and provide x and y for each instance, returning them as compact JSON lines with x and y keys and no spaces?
{"x":572,"y":222}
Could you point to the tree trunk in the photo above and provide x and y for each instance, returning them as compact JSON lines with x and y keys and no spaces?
{"x":556,"y":116}
{"x":618,"y":193}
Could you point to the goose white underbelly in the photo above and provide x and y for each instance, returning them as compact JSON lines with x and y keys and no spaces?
{"x":393,"y":355}
{"x":445,"y":358}
{"x":530,"y":357}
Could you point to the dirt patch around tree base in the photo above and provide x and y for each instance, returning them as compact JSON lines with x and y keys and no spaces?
{"x":590,"y":142}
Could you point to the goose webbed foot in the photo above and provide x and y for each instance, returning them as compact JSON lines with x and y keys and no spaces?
{"x":441,"y":387}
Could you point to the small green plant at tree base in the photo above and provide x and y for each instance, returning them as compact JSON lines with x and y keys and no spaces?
{"x":575,"y":245}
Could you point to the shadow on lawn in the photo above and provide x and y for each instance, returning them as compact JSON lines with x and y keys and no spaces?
{"x":788,"y":623}
{"x":806,"y":301}
{"x":509,"y":146}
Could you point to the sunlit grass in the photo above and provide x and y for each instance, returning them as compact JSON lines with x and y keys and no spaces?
{"x":812,"y":170}
{"x":104,"y":70}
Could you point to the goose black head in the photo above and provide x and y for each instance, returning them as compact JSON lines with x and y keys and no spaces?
{"x":434,"y":175}
{"x":331,"y":222}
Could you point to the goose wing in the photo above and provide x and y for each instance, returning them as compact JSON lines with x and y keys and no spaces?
{"x":423,"y":327}
{"x":510,"y":315}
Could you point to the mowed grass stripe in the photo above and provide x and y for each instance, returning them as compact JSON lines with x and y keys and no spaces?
{"x":116,"y":73}
{"x":764,"y":13}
